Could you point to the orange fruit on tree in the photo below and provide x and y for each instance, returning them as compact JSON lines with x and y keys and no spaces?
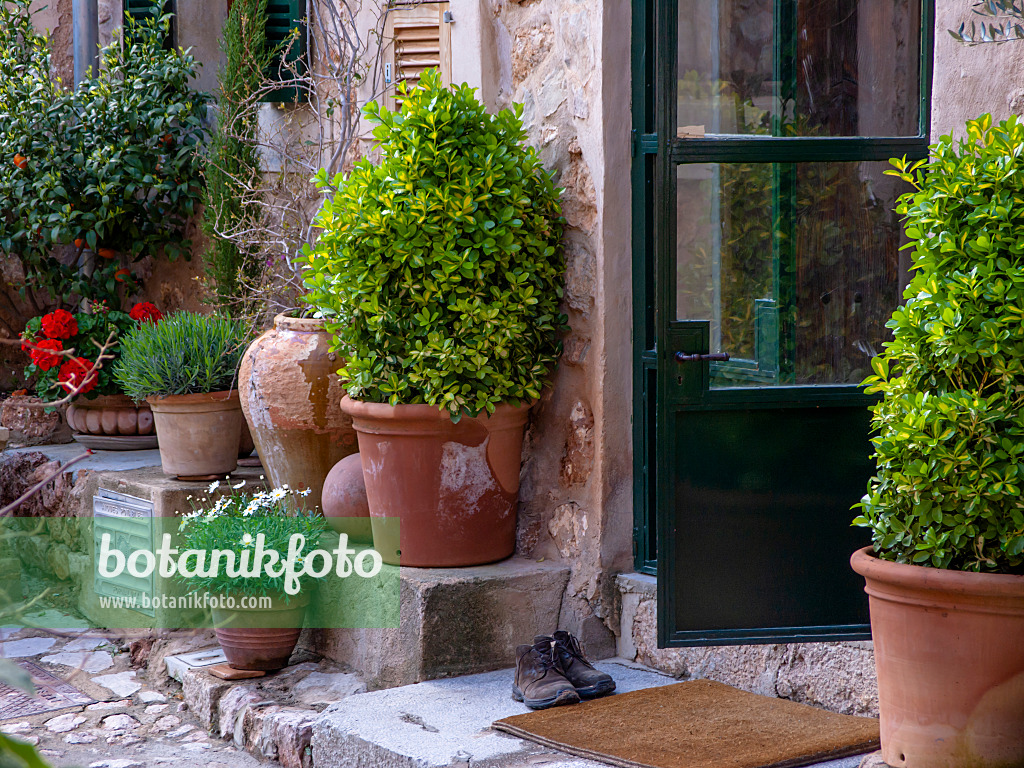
{"x":106,"y":253}
{"x":79,"y":243}
{"x":122,"y":275}
{"x":167,"y":140}
{"x":21,"y":161}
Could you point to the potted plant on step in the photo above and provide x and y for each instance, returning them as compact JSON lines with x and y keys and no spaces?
{"x":185,"y":368}
{"x":64,"y":351}
{"x":440,"y":273}
{"x":257,"y":622}
{"x":945,"y":576}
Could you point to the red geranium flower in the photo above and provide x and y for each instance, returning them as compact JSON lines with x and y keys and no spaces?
{"x":44,"y":359}
{"x":59,"y":324}
{"x":77,"y":375}
{"x":26,"y":343}
{"x":145,"y":312}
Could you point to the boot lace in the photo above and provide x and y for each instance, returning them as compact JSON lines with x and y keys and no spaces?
{"x":574,"y":649}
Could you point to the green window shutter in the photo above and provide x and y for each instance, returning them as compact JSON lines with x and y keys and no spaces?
{"x":284,"y":16}
{"x":144,"y":10}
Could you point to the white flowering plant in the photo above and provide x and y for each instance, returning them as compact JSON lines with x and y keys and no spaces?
{"x":234,"y":534}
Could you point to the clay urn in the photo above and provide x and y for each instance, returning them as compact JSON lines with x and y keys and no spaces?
{"x":344,"y":500}
{"x":290,"y":393}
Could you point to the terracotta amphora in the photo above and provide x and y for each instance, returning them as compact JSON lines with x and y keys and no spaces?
{"x":290,"y":396}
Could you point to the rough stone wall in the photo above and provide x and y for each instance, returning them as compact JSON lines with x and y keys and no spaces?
{"x":563,"y":62}
{"x":836,"y":676}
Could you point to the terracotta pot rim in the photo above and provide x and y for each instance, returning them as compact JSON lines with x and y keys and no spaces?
{"x":106,"y":401}
{"x":225,"y":396}
{"x":284,"y":322}
{"x":421,"y":412}
{"x":922,"y":577}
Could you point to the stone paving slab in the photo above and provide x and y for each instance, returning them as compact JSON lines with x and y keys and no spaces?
{"x":100,"y":461}
{"x":446,"y":723}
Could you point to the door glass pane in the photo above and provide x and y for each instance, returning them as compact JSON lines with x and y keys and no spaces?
{"x":796,"y":266}
{"x":798,"y":67}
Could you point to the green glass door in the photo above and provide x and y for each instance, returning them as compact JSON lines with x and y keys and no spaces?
{"x":768,"y":269}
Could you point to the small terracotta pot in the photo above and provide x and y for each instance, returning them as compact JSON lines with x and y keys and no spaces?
{"x":199,"y":434}
{"x":440,"y":494}
{"x":949,"y":652}
{"x":345,"y":505}
{"x":260,"y":638}
{"x":290,"y":396}
{"x":110,"y":415}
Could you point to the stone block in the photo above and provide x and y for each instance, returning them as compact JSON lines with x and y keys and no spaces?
{"x":454,"y":621}
{"x":203,"y":694}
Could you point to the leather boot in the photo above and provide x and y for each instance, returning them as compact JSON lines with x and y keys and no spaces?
{"x":538,"y":683}
{"x":576,"y":668}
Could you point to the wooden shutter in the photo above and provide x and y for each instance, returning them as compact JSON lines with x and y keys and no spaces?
{"x":283,"y":16}
{"x":144,"y":10}
{"x":417,"y":38}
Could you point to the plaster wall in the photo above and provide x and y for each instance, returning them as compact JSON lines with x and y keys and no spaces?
{"x":971,"y":80}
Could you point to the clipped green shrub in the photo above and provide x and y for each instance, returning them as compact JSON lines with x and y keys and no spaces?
{"x":950,"y":443}
{"x":440,"y":269}
{"x":185,"y":353}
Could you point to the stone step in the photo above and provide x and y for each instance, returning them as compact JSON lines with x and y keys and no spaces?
{"x":446,"y":724}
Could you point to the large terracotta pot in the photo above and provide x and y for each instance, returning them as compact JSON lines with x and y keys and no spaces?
{"x":440,"y":494}
{"x":290,"y":396}
{"x":199,"y":434}
{"x":260,"y":638}
{"x":949,"y":651}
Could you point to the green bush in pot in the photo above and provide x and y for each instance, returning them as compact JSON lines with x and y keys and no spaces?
{"x":946,"y":578}
{"x":439,"y":271}
{"x":950,"y":444}
{"x":186,"y":367}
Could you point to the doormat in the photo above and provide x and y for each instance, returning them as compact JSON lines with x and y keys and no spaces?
{"x":696,"y":724}
{"x":52,"y":694}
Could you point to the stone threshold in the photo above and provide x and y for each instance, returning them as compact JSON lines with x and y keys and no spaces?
{"x":432,"y":724}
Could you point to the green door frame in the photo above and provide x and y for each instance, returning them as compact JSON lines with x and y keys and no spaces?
{"x":655,"y":155}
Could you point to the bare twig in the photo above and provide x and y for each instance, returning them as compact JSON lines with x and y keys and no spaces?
{"x":97,"y":365}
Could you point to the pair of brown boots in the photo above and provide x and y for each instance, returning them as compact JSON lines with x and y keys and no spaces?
{"x":554,"y":671}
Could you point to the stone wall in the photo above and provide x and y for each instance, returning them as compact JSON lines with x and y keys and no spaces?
{"x":834,"y":676}
{"x":566,"y":61}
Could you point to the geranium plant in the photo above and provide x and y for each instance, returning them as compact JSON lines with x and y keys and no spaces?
{"x":235,"y":521}
{"x":950,"y":443}
{"x":63,"y":348}
{"x":111,"y":165}
{"x":439,"y":270}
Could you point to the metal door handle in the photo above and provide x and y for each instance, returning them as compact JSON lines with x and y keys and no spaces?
{"x":682,"y":357}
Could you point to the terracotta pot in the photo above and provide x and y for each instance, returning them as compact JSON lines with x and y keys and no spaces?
{"x":440,"y":494}
{"x":290,"y":396}
{"x":345,"y":505}
{"x":199,"y":434}
{"x":110,"y":415}
{"x":949,"y":651}
{"x":260,"y":638}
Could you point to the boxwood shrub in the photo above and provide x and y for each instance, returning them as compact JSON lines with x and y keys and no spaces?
{"x":950,"y":443}
{"x":440,"y":269}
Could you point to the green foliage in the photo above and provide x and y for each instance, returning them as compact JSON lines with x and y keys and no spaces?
{"x":1010,"y":28}
{"x":15,"y":753}
{"x":950,"y":444}
{"x":233,"y":522}
{"x":233,"y":163}
{"x":185,"y":353}
{"x":440,"y":269}
{"x":112,"y":164}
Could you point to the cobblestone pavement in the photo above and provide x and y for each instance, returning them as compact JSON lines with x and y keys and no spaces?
{"x":129,"y":724}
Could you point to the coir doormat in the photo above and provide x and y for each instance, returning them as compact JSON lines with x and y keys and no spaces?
{"x":696,"y":724}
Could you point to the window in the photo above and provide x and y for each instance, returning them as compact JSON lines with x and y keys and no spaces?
{"x":416,"y":38}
